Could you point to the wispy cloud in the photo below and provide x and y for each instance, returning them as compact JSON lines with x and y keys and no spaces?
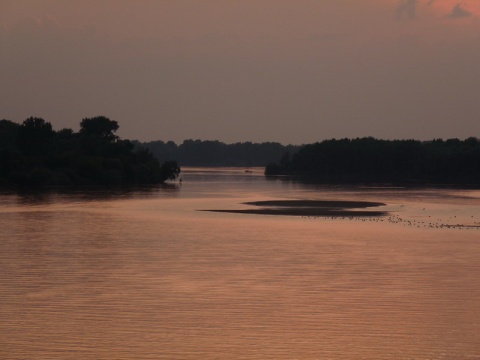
{"x":459,"y":12}
{"x":406,"y":9}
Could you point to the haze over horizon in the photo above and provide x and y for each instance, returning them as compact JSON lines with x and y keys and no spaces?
{"x":291,"y":71}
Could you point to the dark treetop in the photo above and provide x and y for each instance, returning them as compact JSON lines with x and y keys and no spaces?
{"x":33,"y":154}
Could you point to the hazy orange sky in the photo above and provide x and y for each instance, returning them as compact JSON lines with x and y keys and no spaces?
{"x":264,"y":70}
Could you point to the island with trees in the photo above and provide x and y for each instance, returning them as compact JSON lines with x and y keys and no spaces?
{"x":370,"y":160}
{"x":33,"y":154}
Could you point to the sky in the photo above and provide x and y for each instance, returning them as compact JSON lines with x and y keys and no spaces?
{"x":291,"y":71}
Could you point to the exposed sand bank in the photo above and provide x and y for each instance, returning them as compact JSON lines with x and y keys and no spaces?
{"x":309,"y":208}
{"x":317,"y":204}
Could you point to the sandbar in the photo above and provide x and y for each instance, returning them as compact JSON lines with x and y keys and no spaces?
{"x":320,"y":208}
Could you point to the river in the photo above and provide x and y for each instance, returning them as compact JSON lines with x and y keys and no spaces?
{"x":143,"y":274}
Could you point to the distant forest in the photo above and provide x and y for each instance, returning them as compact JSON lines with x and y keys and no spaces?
{"x":368,"y":160}
{"x":33,"y":154}
{"x":216,"y":153}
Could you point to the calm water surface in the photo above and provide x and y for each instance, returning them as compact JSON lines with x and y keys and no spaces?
{"x":142,"y":274}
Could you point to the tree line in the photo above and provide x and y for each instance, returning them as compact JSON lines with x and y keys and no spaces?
{"x":216,"y":153}
{"x":33,"y":154}
{"x":369,"y":160}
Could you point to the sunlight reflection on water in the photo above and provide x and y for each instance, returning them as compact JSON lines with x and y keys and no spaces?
{"x":141,"y":274}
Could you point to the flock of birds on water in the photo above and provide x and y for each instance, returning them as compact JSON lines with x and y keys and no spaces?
{"x":437,"y":223}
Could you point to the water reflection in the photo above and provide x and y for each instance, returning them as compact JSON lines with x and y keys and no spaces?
{"x":140,"y":274}
{"x":50,"y":196}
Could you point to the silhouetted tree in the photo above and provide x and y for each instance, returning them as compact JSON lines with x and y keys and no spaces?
{"x":370,"y":160}
{"x":169,"y":171}
{"x":35,"y":136}
{"x":33,"y":154}
{"x":8,"y":134}
{"x":99,"y":126}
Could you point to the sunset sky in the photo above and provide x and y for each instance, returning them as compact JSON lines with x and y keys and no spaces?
{"x":247,"y":70}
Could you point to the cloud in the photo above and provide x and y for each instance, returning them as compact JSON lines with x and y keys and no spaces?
{"x":406,"y":9}
{"x":459,"y":12}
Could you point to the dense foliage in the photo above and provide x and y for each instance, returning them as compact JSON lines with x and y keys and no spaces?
{"x":216,"y":153}
{"x":370,"y":160}
{"x":33,"y":154}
